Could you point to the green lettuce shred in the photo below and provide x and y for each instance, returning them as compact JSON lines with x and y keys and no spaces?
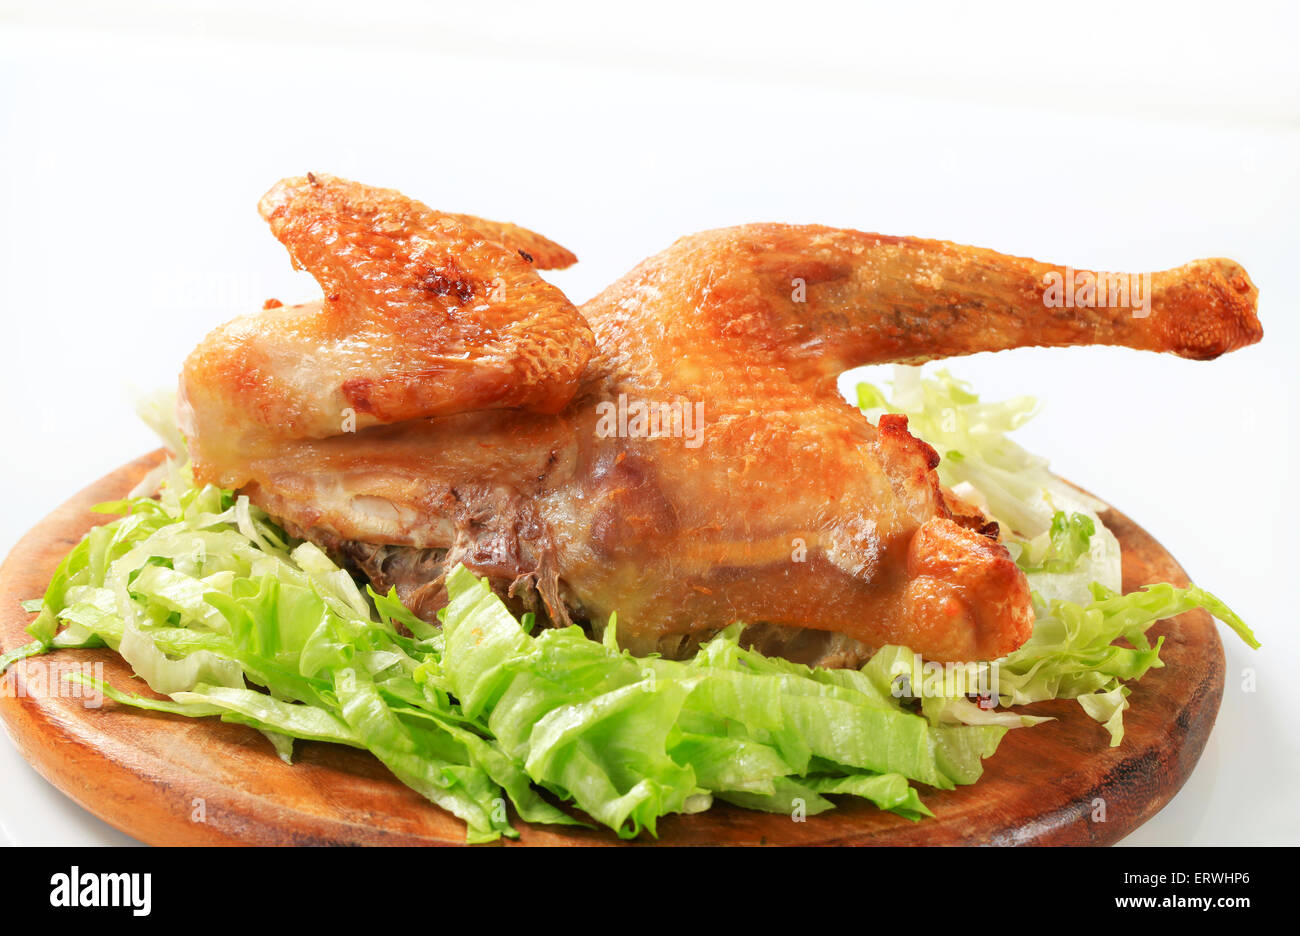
{"x":1061,"y":548}
{"x":629,"y":740}
{"x":222,"y":615}
{"x":1088,"y":640}
{"x":980,"y":462}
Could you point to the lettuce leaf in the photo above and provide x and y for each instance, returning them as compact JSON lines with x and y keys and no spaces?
{"x":204,"y":596}
{"x":1088,"y":640}
{"x":982,"y":464}
{"x":630,"y":740}
{"x":1061,"y":548}
{"x":1075,"y":653}
{"x":223,"y":616}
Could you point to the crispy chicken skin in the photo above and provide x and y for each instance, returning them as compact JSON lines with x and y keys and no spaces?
{"x":424,"y":314}
{"x":760,"y":495}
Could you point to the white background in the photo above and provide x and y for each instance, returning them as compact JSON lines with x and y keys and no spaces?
{"x":136,"y":139}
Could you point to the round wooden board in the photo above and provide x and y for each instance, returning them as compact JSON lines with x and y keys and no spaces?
{"x":173,"y":780}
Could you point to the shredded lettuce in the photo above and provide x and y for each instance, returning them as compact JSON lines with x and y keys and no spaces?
{"x":1071,"y":560}
{"x":206,"y":598}
{"x":1060,"y":549}
{"x":629,"y":740}
{"x":983,"y":465}
{"x":222,"y":614}
{"x":1073,"y":652}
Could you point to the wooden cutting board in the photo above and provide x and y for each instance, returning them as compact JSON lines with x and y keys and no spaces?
{"x":173,"y":780}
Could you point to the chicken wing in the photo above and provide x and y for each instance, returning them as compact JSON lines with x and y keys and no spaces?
{"x":701,"y":468}
{"x":424,"y":314}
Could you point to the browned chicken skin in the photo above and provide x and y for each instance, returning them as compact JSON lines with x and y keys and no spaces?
{"x":424,"y":314}
{"x":701,"y":468}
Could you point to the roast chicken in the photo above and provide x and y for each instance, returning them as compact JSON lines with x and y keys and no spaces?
{"x":676,"y":450}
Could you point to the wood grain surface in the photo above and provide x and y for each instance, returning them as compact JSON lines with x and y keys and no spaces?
{"x":172,"y":780}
